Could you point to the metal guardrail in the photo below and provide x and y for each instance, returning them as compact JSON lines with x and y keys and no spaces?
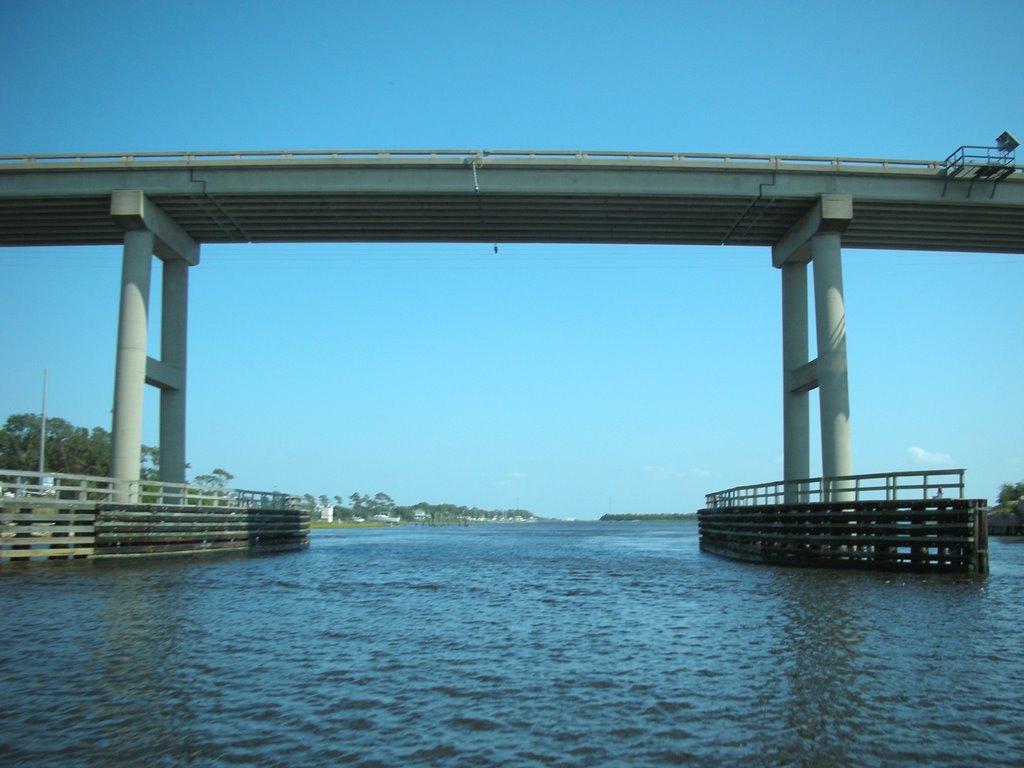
{"x":989,"y":163}
{"x":766,"y":161}
{"x":20,"y":486}
{"x":890,"y":486}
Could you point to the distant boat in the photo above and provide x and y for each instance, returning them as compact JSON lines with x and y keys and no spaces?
{"x":382,"y":518}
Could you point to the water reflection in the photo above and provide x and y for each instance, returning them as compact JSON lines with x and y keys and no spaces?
{"x":141,"y":704}
{"x":821,"y":631}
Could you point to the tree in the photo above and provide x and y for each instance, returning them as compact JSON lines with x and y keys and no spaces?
{"x":69,"y":449}
{"x":308,"y":502}
{"x":1009,"y":495}
{"x":150,"y":469}
{"x":218,"y":478}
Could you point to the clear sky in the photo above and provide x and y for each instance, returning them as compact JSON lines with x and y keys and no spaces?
{"x":569,"y":380}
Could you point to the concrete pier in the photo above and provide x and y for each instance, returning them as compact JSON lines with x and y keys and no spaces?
{"x":130,"y":365}
{"x":148,"y":232}
{"x":174,"y":354}
{"x":797,"y":380}
{"x":815,"y":239}
{"x":830,"y":323}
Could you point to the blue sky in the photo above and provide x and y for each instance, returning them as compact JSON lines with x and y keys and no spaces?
{"x":569,"y":380}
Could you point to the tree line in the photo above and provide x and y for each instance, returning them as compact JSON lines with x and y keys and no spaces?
{"x":69,"y":449}
{"x":364,"y":506}
{"x":76,"y":450}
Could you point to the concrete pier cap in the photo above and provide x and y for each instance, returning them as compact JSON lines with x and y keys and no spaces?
{"x":134,"y":211}
{"x":830,"y":214}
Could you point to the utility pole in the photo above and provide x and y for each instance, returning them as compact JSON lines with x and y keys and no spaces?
{"x":42,"y":431}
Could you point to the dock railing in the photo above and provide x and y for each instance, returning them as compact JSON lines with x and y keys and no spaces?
{"x":888,"y":486}
{"x":19,"y":486}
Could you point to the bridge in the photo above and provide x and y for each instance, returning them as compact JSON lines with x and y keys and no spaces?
{"x":806,"y":209}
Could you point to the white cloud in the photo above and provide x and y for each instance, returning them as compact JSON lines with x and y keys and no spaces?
{"x":932,"y":459}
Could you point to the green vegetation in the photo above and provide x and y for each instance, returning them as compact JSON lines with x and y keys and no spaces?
{"x":218,"y":478}
{"x":69,"y":449}
{"x":1009,"y":495}
{"x":381,"y":508}
{"x":79,"y":451}
{"x":677,"y":517}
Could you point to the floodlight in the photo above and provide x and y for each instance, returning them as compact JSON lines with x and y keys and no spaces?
{"x":1006,"y":142}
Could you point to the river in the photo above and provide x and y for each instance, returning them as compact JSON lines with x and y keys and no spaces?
{"x":586,"y":644}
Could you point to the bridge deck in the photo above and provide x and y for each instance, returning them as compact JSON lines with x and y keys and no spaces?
{"x":459,"y":196}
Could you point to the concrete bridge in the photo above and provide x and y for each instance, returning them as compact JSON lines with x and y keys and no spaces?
{"x":805,"y":208}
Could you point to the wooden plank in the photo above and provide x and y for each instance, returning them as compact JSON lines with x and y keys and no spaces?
{"x":40,"y":540}
{"x":847,"y":527}
{"x":48,"y":517}
{"x":24,"y":554}
{"x":185,"y":529}
{"x":167,"y":549}
{"x":125,"y":544}
{"x":22,"y":530}
{"x":135,"y":518}
{"x":818,"y":556}
{"x":963,"y":516}
{"x":919,"y":540}
{"x":170,"y":527}
{"x":48,"y":503}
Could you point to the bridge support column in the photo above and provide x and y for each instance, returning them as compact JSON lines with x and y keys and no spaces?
{"x":130,"y":365}
{"x":815,"y":238}
{"x":834,"y":394}
{"x":173,"y":351}
{"x":150,"y":231}
{"x":796,"y":431}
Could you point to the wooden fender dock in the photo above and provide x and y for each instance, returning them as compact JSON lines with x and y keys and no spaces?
{"x":38,"y":521}
{"x":937,"y":533}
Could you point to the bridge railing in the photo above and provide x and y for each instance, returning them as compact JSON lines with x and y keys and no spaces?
{"x":888,"y":486}
{"x":19,"y":486}
{"x":470,"y":155}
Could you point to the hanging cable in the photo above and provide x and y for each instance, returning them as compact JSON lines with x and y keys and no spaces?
{"x":476,"y":189}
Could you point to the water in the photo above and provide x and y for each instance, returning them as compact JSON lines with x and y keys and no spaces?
{"x":543,"y":645}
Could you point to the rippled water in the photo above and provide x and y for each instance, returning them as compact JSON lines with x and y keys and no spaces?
{"x":586,"y":644}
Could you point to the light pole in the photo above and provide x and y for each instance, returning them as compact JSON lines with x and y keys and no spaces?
{"x":42,"y":432}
